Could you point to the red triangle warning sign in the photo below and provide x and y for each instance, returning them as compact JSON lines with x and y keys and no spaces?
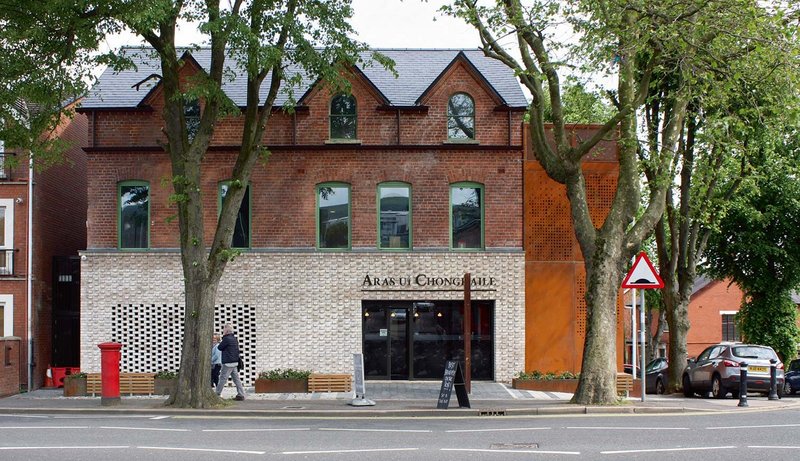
{"x":642,"y":274}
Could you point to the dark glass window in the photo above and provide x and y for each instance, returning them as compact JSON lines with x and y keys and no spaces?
{"x":729,"y":330}
{"x":192,"y":113}
{"x":394,"y":214}
{"x":461,"y":117}
{"x":241,"y":232}
{"x":466,"y":210}
{"x":134,"y":214}
{"x":343,"y":117}
{"x":333,"y":215}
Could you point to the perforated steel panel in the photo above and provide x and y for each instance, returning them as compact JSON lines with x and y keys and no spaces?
{"x":152,"y":335}
{"x":580,"y":303}
{"x":548,"y":223}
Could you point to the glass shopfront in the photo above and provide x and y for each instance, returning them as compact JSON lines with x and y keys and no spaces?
{"x":405,"y":340}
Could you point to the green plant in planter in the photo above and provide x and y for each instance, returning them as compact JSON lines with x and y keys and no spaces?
{"x":166,"y":374}
{"x":79,"y":375}
{"x":549,"y":376}
{"x":278,"y":374}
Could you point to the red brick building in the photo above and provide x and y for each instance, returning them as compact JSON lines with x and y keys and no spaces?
{"x":43,"y":216}
{"x":355,"y":233}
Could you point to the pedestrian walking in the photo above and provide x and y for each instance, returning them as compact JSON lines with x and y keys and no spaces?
{"x":216,"y":361}
{"x":229,"y":347}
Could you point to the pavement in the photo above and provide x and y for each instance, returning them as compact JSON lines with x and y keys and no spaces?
{"x":392,"y":399}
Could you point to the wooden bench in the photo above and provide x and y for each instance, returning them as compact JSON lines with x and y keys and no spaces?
{"x":318,"y":382}
{"x":624,"y":384}
{"x":129,"y":383}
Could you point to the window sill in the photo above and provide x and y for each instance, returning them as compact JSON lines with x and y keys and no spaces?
{"x":461,"y":141}
{"x":342,"y":141}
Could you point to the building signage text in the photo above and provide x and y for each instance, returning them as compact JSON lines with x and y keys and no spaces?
{"x":424,"y":280}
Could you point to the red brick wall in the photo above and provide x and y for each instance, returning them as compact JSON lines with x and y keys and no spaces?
{"x":283,"y":189}
{"x":283,"y":194}
{"x":704,"y":314}
{"x":9,"y":366}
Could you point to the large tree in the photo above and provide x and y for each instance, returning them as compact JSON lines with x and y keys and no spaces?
{"x":757,"y":246}
{"x":747,"y":79}
{"x":264,"y":38}
{"x":632,"y":40}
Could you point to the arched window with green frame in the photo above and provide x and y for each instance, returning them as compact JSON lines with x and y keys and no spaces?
{"x":133,"y":223}
{"x":333,"y":216}
{"x":466,"y":216}
{"x":241,"y":230}
{"x":394,"y":216}
{"x":343,"y":117}
{"x":460,"y":117}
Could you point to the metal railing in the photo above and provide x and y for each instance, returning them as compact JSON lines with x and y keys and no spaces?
{"x":7,"y":261}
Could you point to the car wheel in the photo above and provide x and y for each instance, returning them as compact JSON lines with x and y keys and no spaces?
{"x":659,"y":386}
{"x":718,"y":391}
{"x":787,"y":388}
{"x":687,"y":387}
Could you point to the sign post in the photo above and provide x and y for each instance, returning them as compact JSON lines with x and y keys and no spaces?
{"x":642,"y":276}
{"x":468,"y":331}
{"x":358,"y":376}
{"x":452,"y":378}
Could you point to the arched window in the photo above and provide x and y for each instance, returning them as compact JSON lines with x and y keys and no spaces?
{"x":461,"y":117}
{"x":241,"y":231}
{"x":333,"y":216}
{"x":466,"y":216}
{"x":394,"y":216}
{"x":134,"y":214}
{"x":343,"y":117}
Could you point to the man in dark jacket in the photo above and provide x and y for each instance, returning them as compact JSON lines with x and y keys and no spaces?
{"x":229,"y":347}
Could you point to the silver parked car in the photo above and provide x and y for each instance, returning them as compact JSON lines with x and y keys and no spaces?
{"x":717,"y":370}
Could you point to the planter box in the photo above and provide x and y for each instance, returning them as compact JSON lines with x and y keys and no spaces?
{"x":546,"y":385}
{"x":282,"y":386}
{"x":74,"y":387}
{"x":162,"y":386}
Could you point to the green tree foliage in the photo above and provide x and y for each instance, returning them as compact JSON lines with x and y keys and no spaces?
{"x":256,"y":40}
{"x":581,"y":106}
{"x":757,"y":246}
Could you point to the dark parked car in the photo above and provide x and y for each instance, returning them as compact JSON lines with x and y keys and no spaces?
{"x":792,"y":376}
{"x":656,"y":376}
{"x":717,"y":370}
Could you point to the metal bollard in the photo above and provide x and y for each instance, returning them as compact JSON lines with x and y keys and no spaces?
{"x":773,"y":380}
{"x":743,"y":385}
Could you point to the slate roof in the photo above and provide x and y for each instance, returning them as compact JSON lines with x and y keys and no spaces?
{"x":416,"y":68}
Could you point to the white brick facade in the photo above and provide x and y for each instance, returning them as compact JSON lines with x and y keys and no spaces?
{"x":307,"y":304}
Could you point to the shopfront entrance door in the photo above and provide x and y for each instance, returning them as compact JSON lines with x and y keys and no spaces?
{"x":386,"y":342}
{"x":413,"y":340}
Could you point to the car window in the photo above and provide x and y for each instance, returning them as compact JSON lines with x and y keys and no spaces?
{"x":704,"y":355}
{"x":716,"y":352}
{"x":795,"y":365}
{"x":754,"y":352}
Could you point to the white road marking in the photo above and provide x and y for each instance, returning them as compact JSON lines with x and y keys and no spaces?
{"x":484,"y":450}
{"x":259,"y":430}
{"x":656,"y":450}
{"x":67,"y":448}
{"x":210,"y":450}
{"x":630,"y":428}
{"x":160,"y":417}
{"x":754,"y":427}
{"x":503,"y":429}
{"x":124,"y":428}
{"x":372,"y":430}
{"x":772,"y":446}
{"x":12,"y":415}
{"x":365,"y":450}
{"x":44,"y":427}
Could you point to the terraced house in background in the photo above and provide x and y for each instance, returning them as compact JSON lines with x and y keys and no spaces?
{"x":355,"y":234}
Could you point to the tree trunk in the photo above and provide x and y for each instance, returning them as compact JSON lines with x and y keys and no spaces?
{"x":677,"y":309}
{"x":599,"y":367}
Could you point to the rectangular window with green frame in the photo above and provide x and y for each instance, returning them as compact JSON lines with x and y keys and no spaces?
{"x":241,"y":231}
{"x":333,"y":216}
{"x":134,"y":214}
{"x":394,"y":216}
{"x":466,"y":216}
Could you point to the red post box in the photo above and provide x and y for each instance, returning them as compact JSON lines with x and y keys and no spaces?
{"x":110,"y":356}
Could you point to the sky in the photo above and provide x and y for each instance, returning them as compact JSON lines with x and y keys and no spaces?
{"x":379,"y":23}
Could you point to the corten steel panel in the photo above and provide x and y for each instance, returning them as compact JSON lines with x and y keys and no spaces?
{"x":551,"y":340}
